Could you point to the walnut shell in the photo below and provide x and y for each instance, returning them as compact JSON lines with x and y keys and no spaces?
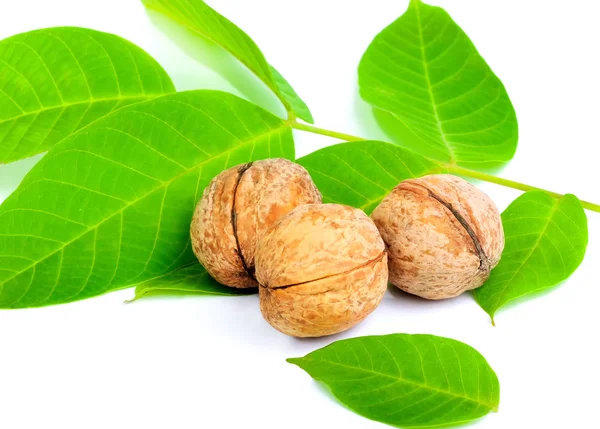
{"x":443,"y":235}
{"x":237,"y":207}
{"x":321,"y":269}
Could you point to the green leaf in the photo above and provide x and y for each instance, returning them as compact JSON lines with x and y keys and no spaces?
{"x":444,"y":99}
{"x":200,"y":18}
{"x":56,"y":81}
{"x":362,"y":173}
{"x":405,"y":380}
{"x":190,"y":280}
{"x":546,"y":239}
{"x":289,"y":97}
{"x":111,"y":206}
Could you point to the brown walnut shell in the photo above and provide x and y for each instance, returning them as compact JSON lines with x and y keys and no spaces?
{"x":237,"y":207}
{"x":443,"y":235}
{"x":322,"y":269}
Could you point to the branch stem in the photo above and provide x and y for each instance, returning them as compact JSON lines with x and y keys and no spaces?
{"x":512,"y":184}
{"x":324,"y":132}
{"x":449,"y":167}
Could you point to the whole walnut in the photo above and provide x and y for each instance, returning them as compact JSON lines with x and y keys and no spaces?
{"x":443,"y":235}
{"x":321,"y":269}
{"x":237,"y":207}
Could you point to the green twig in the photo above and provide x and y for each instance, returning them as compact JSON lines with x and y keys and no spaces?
{"x":512,"y":184}
{"x":450,"y":167}
{"x":324,"y":132}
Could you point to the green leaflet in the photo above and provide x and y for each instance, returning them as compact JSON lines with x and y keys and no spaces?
{"x":190,"y":280}
{"x":361,"y":174}
{"x":110,"y":206}
{"x":538,"y":227}
{"x":289,"y":97}
{"x":55,"y":81}
{"x":200,"y":18}
{"x":440,"y":94}
{"x":405,"y":380}
{"x":546,"y":239}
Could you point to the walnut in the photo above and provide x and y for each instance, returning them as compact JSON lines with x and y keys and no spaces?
{"x":321,"y":269}
{"x":443,"y":235}
{"x":237,"y":207}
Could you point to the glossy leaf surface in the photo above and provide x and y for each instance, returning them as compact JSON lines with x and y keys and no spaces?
{"x":111,"y":206}
{"x":362,"y":173}
{"x":190,"y":280}
{"x":424,"y":72}
{"x":55,"y":81}
{"x":546,"y":239}
{"x":200,"y":18}
{"x":407,"y":381}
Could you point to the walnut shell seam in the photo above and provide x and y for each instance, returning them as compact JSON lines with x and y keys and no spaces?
{"x":373,"y":261}
{"x":484,"y":261}
{"x":238,"y":250}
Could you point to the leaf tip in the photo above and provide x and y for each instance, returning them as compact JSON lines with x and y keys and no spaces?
{"x":493,"y":321}
{"x":135,"y":298}
{"x":416,"y":3}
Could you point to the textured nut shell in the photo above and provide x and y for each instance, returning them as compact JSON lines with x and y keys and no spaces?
{"x":316,"y":241}
{"x":327,"y":306}
{"x":267,"y":191}
{"x":211,"y":232}
{"x":260,"y":194}
{"x":322,"y":269}
{"x":431,"y":253}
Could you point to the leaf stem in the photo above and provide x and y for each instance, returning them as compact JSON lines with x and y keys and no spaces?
{"x":512,"y":184}
{"x":324,"y":132}
{"x":449,"y":167}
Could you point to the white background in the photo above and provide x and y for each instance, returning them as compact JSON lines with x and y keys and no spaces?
{"x":199,"y":362}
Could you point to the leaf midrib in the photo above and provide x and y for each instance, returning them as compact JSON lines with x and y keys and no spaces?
{"x":280,"y":128}
{"x":429,"y":86}
{"x":400,"y":379}
{"x":142,"y":97}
